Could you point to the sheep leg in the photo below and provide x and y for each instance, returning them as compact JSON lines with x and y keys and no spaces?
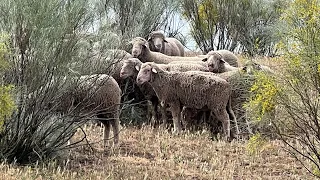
{"x":106,"y":132}
{"x":223,"y":116}
{"x":151,"y":114}
{"x":115,"y":128}
{"x":185,"y":117}
{"x":234,"y":119}
{"x":176,"y":116}
{"x":163,"y":110}
{"x":154,"y":108}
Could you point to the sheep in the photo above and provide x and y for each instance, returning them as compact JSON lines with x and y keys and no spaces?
{"x":169,"y":46}
{"x":217,"y":64}
{"x":226,"y":55}
{"x":98,"y":95}
{"x":181,"y":88}
{"x":141,"y":51}
{"x":241,"y":82}
{"x":131,"y":68}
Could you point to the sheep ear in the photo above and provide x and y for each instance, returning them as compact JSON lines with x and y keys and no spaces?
{"x":222,"y":60}
{"x":145,"y":44}
{"x":149,"y":38}
{"x":205,"y":59}
{"x":154,"y":70}
{"x":137,"y":68}
{"x":165,"y":41}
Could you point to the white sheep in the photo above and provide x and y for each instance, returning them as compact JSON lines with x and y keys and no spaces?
{"x":228,"y":56}
{"x":169,"y":46}
{"x":140,"y":50}
{"x":189,"y":90}
{"x":217,"y":64}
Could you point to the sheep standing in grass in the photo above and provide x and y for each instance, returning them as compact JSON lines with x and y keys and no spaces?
{"x":140,"y":50}
{"x":97,"y":95}
{"x":169,"y":46}
{"x":131,"y":68}
{"x":189,"y":90}
{"x":217,"y":64}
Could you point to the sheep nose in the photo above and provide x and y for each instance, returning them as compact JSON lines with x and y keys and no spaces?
{"x":134,"y":53}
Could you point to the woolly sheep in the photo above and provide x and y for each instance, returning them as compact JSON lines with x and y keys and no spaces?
{"x":141,"y":51}
{"x":226,"y":55}
{"x":176,"y":88}
{"x":132,"y":66}
{"x":217,"y":64}
{"x":169,"y":46}
{"x":241,"y":82}
{"x":98,"y":95}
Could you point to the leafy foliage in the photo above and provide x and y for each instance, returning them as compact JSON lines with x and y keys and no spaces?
{"x":42,"y":43}
{"x":234,"y":25}
{"x":295,"y":89}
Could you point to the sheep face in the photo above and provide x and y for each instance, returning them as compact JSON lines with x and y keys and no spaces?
{"x":138,"y":47}
{"x":156,"y":40}
{"x":130,"y":68}
{"x":214,"y":62}
{"x":145,"y":74}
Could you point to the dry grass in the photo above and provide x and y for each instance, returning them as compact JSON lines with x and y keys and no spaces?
{"x":156,"y":154}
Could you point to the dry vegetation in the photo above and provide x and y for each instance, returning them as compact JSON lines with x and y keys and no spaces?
{"x":156,"y":154}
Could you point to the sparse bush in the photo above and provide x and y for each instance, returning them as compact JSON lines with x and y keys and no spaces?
{"x":42,"y":47}
{"x":295,"y":89}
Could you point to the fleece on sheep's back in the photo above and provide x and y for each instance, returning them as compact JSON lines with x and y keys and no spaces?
{"x":198,"y":91}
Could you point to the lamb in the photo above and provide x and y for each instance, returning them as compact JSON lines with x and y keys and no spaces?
{"x":181,"y":88}
{"x":98,"y":95}
{"x":169,"y":46}
{"x":226,"y":55}
{"x":141,"y":51}
{"x":217,"y":64}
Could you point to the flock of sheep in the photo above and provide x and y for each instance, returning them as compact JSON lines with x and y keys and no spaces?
{"x":169,"y":81}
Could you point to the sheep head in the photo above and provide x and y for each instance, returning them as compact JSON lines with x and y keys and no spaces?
{"x":138,"y":46}
{"x":147,"y":72}
{"x":156,"y":40}
{"x":130,"y":68}
{"x":214,"y":62}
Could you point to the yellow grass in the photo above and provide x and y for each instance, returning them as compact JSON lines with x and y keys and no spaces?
{"x":157,"y":154}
